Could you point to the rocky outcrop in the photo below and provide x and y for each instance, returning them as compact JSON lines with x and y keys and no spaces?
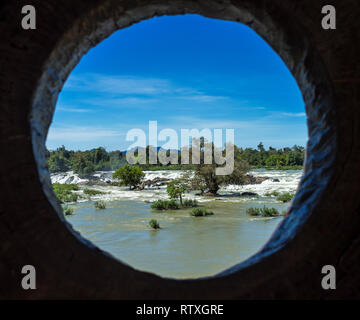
{"x":250,"y":179}
{"x":249,"y":194}
{"x":154,"y":183}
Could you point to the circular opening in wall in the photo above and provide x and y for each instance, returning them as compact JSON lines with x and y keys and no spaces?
{"x":286,"y":37}
{"x":161,"y":83}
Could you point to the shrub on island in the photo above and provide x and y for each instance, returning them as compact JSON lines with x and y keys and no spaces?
{"x":165,"y":204}
{"x":201,"y":212}
{"x":285,"y":197}
{"x":154,"y":224}
{"x":253,"y":212}
{"x":269,"y":212}
{"x":264,"y":212}
{"x":100,"y":205}
{"x":173,"y":205}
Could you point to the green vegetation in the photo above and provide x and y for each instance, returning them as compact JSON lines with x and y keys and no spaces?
{"x":189,"y":203}
{"x":200,"y":212}
{"x":154,"y":224}
{"x":205,"y":177}
{"x":84,"y":162}
{"x":173,"y":205}
{"x":64,"y":192}
{"x":165,"y":205}
{"x":285,"y":197}
{"x":273,"y":193}
{"x":289,"y":158}
{"x":68,"y":211}
{"x":176,"y":189}
{"x":129,"y":176}
{"x":264,"y":212}
{"x":269,"y":212}
{"x":92,"y":192}
{"x":100,"y":205}
{"x":283,"y":159}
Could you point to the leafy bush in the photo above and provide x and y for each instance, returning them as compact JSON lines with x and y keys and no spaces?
{"x":92,"y":192}
{"x":200,"y":212}
{"x":64,"y":192}
{"x":285,"y":197}
{"x":165,"y":204}
{"x":189,"y":203}
{"x":154,"y":224}
{"x":158,"y":205}
{"x":264,"y":212}
{"x":101,"y":205}
{"x":68,"y":211}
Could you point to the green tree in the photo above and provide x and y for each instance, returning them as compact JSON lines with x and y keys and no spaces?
{"x":261,"y":147}
{"x":59,"y":160}
{"x":176,"y":188}
{"x":82,"y":165}
{"x":129,"y":176}
{"x":56,"y":163}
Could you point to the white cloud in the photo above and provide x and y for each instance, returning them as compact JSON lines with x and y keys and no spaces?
{"x":289,"y":114}
{"x":76,"y":110}
{"x":79,"y":133}
{"x":120,"y":102}
{"x":203,"y":98}
{"x":127,"y":89}
{"x":117,"y":84}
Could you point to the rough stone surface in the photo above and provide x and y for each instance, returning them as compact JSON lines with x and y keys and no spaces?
{"x":324,"y":222}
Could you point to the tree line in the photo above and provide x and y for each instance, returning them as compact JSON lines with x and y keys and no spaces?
{"x":89,"y":161}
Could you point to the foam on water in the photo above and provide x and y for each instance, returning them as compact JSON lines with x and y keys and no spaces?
{"x":106,"y":176}
{"x":67,"y":178}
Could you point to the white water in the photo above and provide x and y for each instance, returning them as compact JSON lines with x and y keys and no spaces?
{"x":106,"y":176}
{"x":288,"y":182}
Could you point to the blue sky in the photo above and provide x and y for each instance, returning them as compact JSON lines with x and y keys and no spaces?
{"x":184,"y":72}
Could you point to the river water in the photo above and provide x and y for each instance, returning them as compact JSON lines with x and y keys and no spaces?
{"x":185,"y":246}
